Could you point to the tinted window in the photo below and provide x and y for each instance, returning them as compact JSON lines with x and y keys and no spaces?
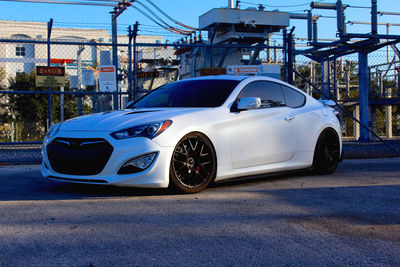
{"x":293,"y":98}
{"x":270,"y":93}
{"x":190,"y":93}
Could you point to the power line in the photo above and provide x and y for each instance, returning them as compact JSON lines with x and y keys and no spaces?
{"x":169,"y":17}
{"x":166,"y":26}
{"x":171,"y":29}
{"x":62,"y":2}
{"x":151,"y":12}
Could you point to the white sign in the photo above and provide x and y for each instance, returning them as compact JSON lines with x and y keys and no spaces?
{"x":87,"y":77}
{"x":271,"y":70}
{"x":73,"y":82}
{"x":107,"y":78}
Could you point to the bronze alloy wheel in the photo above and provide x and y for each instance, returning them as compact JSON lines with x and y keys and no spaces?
{"x":327,"y":152}
{"x":193,"y":164}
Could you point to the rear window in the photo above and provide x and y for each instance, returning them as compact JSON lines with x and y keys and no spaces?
{"x":293,"y":98}
{"x":270,"y":93}
{"x":188,"y":93}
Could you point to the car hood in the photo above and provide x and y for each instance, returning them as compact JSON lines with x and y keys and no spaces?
{"x":120,"y":119}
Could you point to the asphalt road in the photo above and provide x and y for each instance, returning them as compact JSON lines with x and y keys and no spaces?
{"x":349,"y":218}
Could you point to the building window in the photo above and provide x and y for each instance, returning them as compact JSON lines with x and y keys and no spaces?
{"x":19,"y":73}
{"x":20,"y":51}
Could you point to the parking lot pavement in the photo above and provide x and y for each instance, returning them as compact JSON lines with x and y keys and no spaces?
{"x":351,"y":217}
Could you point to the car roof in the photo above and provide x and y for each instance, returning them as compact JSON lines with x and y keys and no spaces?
{"x":220,"y":77}
{"x":235,"y":78}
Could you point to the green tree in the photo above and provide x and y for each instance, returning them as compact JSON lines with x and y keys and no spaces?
{"x":30,"y":111}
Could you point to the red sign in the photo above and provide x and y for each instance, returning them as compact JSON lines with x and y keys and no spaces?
{"x":50,"y":71}
{"x":107,"y":69}
{"x":151,"y":74}
{"x":212,"y":71}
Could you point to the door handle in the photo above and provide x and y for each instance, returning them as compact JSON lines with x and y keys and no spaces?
{"x":289,"y":118}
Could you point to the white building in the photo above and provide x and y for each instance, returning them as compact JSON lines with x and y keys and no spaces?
{"x":23,"y":57}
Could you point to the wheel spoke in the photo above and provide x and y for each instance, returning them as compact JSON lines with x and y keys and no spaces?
{"x":195,"y":145}
{"x":207,"y":171}
{"x":184,"y":147}
{"x":202,"y":154}
{"x":181,"y":162}
{"x":182,"y":153}
{"x":180,"y":168}
{"x":201,"y":176}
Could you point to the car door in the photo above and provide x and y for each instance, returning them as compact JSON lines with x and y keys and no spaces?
{"x":265,"y":135}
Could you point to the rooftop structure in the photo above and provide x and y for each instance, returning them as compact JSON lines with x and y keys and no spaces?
{"x":245,"y":26}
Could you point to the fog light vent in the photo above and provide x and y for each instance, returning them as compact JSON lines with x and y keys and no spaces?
{"x":138,"y":164}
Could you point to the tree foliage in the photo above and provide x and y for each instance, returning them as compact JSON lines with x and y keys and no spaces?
{"x":30,"y":111}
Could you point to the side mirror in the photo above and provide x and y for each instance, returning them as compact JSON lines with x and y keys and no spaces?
{"x":128,"y":104}
{"x":329,"y":103}
{"x":248,"y":103}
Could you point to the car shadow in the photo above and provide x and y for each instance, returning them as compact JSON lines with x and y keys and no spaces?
{"x":253,"y":180}
{"x":30,"y":185}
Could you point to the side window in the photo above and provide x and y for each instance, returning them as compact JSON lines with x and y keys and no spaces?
{"x":293,"y":98}
{"x":270,"y":93}
{"x":19,"y":50}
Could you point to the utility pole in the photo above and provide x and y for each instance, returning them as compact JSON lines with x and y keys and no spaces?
{"x":132,"y":87}
{"x":135,"y":30}
{"x":49,"y":28}
{"x":290,"y":52}
{"x":122,"y":6}
{"x":114,"y":36}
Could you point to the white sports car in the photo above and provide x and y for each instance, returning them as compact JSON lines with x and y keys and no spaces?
{"x":189,"y":133}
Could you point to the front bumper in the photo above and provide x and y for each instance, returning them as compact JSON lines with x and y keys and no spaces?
{"x":155,"y":176}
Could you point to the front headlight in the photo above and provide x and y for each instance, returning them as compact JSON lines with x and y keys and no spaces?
{"x":149,"y":130}
{"x":53,"y":130}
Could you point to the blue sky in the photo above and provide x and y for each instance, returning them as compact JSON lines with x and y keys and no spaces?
{"x":188,"y":11}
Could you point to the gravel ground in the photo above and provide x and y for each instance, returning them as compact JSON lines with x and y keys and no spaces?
{"x":349,"y":218}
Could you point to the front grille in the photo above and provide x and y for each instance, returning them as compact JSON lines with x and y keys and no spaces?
{"x":79,"y":156}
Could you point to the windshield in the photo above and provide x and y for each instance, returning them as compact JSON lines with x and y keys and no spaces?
{"x":188,"y":93}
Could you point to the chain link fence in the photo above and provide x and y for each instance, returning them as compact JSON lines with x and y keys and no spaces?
{"x":343,"y":80}
{"x":26,"y":111}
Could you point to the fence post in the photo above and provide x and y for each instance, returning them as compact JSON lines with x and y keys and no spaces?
{"x":356,"y":125}
{"x":347,"y":70}
{"x":214,"y":30}
{"x":62,"y":104}
{"x":268,"y":48}
{"x":284,"y":69}
{"x":363,"y":82}
{"x":325,"y":78}
{"x":49,"y":28}
{"x":79,"y":61}
{"x":388,"y":114}
{"x":336,"y":90}
{"x":130,"y":87}
{"x":398,"y":81}
{"x":134,"y":33}
{"x":114,"y":33}
{"x":290,"y":59}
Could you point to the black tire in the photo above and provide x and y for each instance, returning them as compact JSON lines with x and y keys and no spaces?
{"x":193,"y":165}
{"x":327,"y":152}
